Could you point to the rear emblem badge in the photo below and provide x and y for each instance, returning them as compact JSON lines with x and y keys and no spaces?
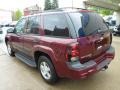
{"x":98,"y":48}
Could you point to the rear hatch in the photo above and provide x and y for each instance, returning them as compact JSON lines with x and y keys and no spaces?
{"x":94,"y":37}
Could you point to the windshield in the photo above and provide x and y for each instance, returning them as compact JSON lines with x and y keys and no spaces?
{"x":87,"y":23}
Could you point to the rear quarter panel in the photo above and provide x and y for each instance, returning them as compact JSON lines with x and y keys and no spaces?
{"x":56,"y":49}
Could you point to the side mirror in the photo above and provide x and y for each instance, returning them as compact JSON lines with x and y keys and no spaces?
{"x":10,"y":30}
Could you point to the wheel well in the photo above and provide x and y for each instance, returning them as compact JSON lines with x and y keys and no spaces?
{"x":39,"y":53}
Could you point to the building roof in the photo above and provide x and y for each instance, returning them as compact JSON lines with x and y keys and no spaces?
{"x":34,"y":7}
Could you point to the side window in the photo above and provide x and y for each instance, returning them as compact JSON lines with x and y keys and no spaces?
{"x":56,"y":25}
{"x":33,"y":25}
{"x":20,"y":26}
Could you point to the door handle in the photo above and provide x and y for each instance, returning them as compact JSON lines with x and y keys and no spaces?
{"x":20,"y":38}
{"x":35,"y":41}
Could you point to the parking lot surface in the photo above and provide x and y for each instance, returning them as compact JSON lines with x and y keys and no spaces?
{"x":15,"y":75}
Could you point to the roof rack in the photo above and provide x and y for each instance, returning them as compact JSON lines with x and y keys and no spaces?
{"x":63,"y":8}
{"x":59,"y":10}
{"x":70,"y":8}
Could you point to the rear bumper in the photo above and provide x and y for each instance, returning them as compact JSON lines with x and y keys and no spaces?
{"x":78,"y":70}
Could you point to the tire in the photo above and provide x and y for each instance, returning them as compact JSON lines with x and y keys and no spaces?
{"x":47,"y":70}
{"x":10,"y":50}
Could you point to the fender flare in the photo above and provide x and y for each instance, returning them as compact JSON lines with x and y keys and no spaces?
{"x":47,"y":50}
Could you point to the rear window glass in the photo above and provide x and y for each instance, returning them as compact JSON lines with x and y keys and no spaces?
{"x":91,"y":23}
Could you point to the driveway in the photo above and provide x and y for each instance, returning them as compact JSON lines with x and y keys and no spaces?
{"x":15,"y":75}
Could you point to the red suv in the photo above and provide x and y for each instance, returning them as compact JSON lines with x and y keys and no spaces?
{"x":70,"y":43}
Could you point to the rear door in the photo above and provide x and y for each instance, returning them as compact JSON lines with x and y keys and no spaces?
{"x":93,"y":35}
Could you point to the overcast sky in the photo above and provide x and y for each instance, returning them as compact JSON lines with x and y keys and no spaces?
{"x":21,"y":4}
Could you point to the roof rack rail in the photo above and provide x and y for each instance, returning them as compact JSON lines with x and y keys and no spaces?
{"x":63,"y":9}
{"x":69,"y":8}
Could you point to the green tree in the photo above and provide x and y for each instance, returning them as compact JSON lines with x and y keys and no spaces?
{"x":102,"y":11}
{"x":55,"y":4}
{"x":105,"y":12}
{"x":18,"y":14}
{"x":47,"y":5}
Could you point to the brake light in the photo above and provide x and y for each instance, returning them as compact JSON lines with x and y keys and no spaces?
{"x":73,"y":53}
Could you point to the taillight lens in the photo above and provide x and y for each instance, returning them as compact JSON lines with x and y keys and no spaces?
{"x":73,"y":53}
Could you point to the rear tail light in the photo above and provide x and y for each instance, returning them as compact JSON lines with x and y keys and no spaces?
{"x":73,"y":53}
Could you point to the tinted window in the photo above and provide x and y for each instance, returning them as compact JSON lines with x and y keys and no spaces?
{"x":20,"y":26}
{"x":76,"y":19}
{"x":56,"y":25}
{"x":33,"y":25}
{"x":92,"y":23}
{"x":88,"y":23}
